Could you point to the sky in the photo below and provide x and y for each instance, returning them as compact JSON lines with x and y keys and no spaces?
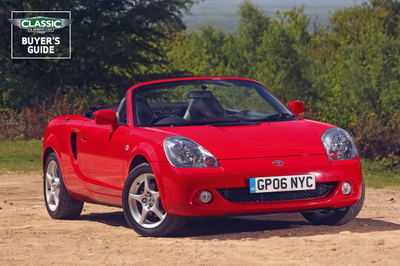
{"x":224,"y":13}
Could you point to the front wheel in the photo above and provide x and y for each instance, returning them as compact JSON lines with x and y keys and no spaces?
{"x":337,"y":217}
{"x":142,"y":205}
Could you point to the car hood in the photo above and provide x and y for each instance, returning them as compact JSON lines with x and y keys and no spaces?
{"x":275,"y":139}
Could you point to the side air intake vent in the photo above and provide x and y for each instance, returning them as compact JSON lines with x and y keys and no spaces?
{"x":73,"y":144}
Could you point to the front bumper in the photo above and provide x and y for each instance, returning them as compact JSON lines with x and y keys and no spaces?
{"x":180,"y":188}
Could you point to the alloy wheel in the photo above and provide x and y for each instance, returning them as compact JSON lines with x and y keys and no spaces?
{"x":144,"y":202}
{"x":52,"y":186}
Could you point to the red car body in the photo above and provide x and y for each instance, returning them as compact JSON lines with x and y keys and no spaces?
{"x":95,"y":161}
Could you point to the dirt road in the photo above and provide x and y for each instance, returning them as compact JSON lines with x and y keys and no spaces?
{"x":28,"y":236}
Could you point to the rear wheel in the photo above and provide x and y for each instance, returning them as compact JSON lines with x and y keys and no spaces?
{"x":337,"y":217}
{"x":59,"y":203}
{"x":142,"y":205}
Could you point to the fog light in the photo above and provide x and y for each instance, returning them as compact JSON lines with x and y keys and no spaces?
{"x":206,"y":196}
{"x":346,"y":188}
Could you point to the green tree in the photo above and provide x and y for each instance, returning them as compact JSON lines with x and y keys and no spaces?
{"x":265,"y":49}
{"x":115,"y":45}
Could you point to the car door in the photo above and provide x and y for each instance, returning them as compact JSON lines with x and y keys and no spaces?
{"x":101,"y":157}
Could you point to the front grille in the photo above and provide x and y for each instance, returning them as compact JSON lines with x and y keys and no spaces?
{"x":242,"y":194}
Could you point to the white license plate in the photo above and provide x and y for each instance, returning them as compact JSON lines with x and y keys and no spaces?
{"x":282,"y":183}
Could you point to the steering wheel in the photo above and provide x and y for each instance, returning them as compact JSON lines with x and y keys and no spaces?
{"x":160,"y":117}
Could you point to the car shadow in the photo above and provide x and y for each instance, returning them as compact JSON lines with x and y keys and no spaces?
{"x":275,"y":225}
{"x":116,"y":219}
{"x":254,"y":227}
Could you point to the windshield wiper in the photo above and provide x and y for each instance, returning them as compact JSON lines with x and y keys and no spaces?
{"x":209,"y":121}
{"x":270,"y":118}
{"x":222,"y":120}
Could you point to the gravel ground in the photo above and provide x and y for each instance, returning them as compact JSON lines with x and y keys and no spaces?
{"x":28,"y":236}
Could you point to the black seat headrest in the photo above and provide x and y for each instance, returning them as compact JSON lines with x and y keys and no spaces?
{"x":199,"y":94}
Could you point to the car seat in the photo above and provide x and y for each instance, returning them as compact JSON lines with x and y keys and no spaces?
{"x":143,"y":111}
{"x":203,"y":104}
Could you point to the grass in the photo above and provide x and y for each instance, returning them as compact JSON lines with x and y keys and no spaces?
{"x":21,"y":156}
{"x":26,"y":156}
{"x":378,"y":175}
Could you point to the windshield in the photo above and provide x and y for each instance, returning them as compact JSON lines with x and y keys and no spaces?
{"x":213,"y":102}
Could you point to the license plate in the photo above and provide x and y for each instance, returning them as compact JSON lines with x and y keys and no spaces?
{"x":282,"y":183}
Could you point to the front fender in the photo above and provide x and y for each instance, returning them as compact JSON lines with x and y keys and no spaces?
{"x":151,"y":154}
{"x":51,"y":141}
{"x":144,"y":149}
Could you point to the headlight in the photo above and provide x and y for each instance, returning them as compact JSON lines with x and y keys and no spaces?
{"x":185,"y":153}
{"x":339,"y":145}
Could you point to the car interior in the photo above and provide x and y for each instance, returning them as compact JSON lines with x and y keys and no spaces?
{"x":120,"y":111}
{"x":166,"y":109}
{"x":202,"y":104}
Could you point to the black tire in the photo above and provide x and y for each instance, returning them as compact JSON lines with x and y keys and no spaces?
{"x":337,"y":217}
{"x":53,"y":185}
{"x":134,"y":209}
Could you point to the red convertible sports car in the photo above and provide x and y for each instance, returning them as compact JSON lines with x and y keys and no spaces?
{"x":200,"y":147}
